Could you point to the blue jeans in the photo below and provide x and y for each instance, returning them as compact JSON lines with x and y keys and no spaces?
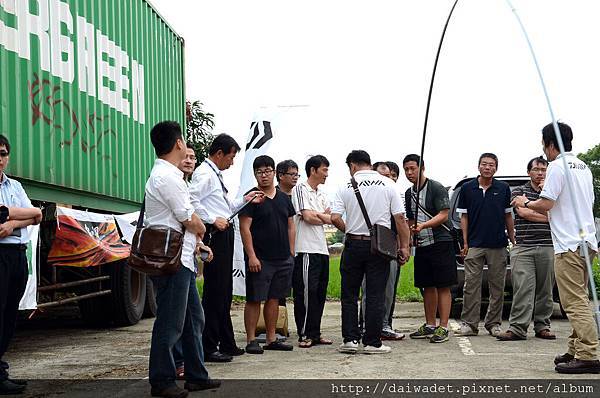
{"x":179,"y":314}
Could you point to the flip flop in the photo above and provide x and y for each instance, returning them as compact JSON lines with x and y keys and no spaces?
{"x":323,"y":341}
{"x":306,"y":343}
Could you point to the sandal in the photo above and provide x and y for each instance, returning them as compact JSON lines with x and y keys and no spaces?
{"x":278,"y":346}
{"x":306,"y":343}
{"x":323,"y":341}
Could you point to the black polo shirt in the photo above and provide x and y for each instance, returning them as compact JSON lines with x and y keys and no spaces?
{"x":269,"y":226}
{"x":486,"y":212}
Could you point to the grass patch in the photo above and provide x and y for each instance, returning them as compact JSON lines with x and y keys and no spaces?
{"x":406,"y":286}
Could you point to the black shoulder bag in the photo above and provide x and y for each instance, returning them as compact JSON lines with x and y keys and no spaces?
{"x":383,"y":239}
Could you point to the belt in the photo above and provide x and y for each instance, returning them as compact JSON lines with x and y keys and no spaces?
{"x":14,"y":246}
{"x":358,"y":237}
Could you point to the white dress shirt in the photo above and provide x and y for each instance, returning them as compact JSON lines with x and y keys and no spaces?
{"x":168,"y":204}
{"x":207,"y":194}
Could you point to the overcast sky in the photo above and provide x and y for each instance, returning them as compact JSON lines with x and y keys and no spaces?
{"x":363,"y":70}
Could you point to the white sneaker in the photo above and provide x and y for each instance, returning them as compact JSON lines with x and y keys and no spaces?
{"x":383,"y":349}
{"x":466,"y":330}
{"x":349,"y":347}
{"x":495,"y":330}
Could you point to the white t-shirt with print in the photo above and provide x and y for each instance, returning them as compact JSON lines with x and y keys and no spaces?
{"x":309,"y":238}
{"x":563,"y":223}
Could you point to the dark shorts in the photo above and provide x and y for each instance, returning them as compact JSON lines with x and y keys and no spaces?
{"x":273,"y":281}
{"x":435,"y":265}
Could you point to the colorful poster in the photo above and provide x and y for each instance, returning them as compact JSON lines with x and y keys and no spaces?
{"x":29,"y":300}
{"x":86,"y":239}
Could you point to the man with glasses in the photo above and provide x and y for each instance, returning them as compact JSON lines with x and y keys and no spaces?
{"x":532,"y":261}
{"x":287,"y":176}
{"x":311,"y":269}
{"x":209,"y":198}
{"x":486,"y":217}
{"x":268,"y":235}
{"x":16,"y":213}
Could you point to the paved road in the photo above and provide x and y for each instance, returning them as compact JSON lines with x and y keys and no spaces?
{"x":64,"y":349}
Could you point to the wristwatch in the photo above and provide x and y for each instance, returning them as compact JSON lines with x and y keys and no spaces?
{"x":526,"y":204}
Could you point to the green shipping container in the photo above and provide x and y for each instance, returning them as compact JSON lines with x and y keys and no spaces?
{"x":82,"y":82}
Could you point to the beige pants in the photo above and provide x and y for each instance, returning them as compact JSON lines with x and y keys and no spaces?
{"x":474,"y":261}
{"x":572,"y":281}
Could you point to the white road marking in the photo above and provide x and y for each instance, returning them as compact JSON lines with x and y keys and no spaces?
{"x":463,"y":342}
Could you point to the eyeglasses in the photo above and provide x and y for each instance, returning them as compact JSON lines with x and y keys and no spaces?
{"x":4,"y":154}
{"x":293,"y":175}
{"x":538,"y":169}
{"x":264,"y":172}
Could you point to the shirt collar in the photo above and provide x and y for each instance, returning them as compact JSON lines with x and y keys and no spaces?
{"x":560,"y":155}
{"x":169,"y":166}
{"x":530,"y":185}
{"x":310,"y":189}
{"x":366,"y":172}
{"x":213,"y":165}
{"x":4,"y":179}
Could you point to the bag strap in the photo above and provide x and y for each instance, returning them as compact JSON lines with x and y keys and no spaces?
{"x":140,"y":222}
{"x":361,"y":203}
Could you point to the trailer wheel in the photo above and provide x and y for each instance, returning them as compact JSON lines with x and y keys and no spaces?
{"x":150,"y":306}
{"x":128,"y":293}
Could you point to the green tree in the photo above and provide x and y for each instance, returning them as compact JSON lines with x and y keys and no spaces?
{"x":592,"y":159}
{"x":199,"y":128}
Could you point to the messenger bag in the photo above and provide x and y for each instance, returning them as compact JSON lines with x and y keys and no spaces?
{"x":383,"y":239}
{"x":155,"y":251}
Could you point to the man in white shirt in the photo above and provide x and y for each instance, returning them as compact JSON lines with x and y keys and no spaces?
{"x":382,"y":201}
{"x":311,"y":264}
{"x":210,"y":201}
{"x":179,"y":312}
{"x":569,"y":258}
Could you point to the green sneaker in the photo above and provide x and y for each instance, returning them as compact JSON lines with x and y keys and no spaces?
{"x":440,"y":335}
{"x":424,"y":332}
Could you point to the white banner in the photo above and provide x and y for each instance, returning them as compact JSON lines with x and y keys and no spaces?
{"x":29,"y":300}
{"x":127,"y":224}
{"x":259,"y":140}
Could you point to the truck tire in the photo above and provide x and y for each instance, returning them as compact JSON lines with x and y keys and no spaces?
{"x":128,"y":293}
{"x":150,"y":305}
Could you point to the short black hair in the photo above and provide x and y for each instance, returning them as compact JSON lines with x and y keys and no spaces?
{"x":413,"y":157}
{"x":164,"y":136}
{"x":539,"y":159}
{"x":225,"y":143}
{"x":376,"y":165}
{"x":359,"y":157}
{"x":4,"y":141}
{"x":263,"y":161}
{"x":566,"y":134}
{"x":488,"y":155}
{"x":284,"y":166}
{"x":393,"y":167}
{"x":314,"y":162}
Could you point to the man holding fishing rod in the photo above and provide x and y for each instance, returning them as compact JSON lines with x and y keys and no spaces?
{"x":569,"y":253}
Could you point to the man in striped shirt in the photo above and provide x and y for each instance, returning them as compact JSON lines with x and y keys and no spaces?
{"x":532,"y":261}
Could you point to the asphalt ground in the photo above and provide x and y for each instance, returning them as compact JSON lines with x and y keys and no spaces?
{"x":61,"y":357}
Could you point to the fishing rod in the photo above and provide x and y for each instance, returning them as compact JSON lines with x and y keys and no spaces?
{"x":569,"y":179}
{"x":437,"y":57}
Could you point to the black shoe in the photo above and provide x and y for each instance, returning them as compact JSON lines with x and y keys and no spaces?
{"x":169,"y":392}
{"x":18,"y":382}
{"x":209,"y":384}
{"x":7,"y":387}
{"x":235,"y":352}
{"x":579,"y":366}
{"x":217,"y":357}
{"x":278,"y":346}
{"x":254,"y":348}
{"x":564,"y":358}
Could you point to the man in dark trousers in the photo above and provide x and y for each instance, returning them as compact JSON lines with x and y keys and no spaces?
{"x":382,"y":201}
{"x":16,"y":213}
{"x":268,"y":234}
{"x":311,"y":269}
{"x":210,"y":200}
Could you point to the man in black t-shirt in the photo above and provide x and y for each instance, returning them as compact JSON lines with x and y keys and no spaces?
{"x":268,"y":235}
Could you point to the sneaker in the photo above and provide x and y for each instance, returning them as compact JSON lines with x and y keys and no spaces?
{"x":440,"y":335}
{"x":382,"y":349}
{"x":349,"y":347}
{"x":466,"y":330}
{"x":495,"y":331}
{"x":424,"y":332}
{"x":390,"y":334}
